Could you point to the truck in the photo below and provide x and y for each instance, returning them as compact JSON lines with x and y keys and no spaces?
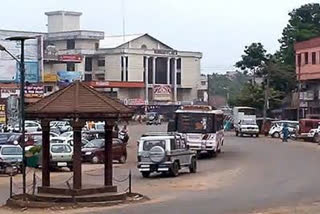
{"x":244,"y":121}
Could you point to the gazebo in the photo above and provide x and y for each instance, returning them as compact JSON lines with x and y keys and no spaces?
{"x":79,"y":103}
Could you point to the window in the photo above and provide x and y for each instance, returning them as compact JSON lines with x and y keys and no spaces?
{"x":179,"y":64}
{"x":48,"y":88}
{"x":61,"y":149}
{"x":149,"y":144}
{"x":127,"y":75}
{"x":96,"y":45}
{"x":11,"y":151}
{"x":313,"y":58}
{"x":87,"y":77}
{"x":299,"y":59}
{"x":100,"y":77}
{"x":71,"y":66}
{"x":101,"y":62}
{"x":179,"y":78}
{"x":71,"y":44}
{"x":88,"y":64}
{"x":122,"y":68}
{"x":173,"y":144}
{"x":306,"y":58}
{"x":143,"y":46}
{"x":203,"y":82}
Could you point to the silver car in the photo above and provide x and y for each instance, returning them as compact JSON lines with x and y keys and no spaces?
{"x":10,"y":155}
{"x":61,"y":155}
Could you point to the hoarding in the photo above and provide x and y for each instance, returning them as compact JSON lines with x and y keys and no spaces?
{"x":7,"y":92}
{"x":66,"y":77}
{"x":31,"y":72}
{"x":3,"y":117}
{"x":162,"y":92}
{"x":8,"y":66}
{"x":48,"y":77}
{"x":70,"y":58}
{"x":34,"y":91}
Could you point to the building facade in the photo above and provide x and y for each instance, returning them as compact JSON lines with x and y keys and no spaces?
{"x":308,"y":73}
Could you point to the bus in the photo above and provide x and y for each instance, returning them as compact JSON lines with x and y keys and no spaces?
{"x":201,"y":127}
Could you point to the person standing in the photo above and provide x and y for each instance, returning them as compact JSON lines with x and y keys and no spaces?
{"x":285,"y":132}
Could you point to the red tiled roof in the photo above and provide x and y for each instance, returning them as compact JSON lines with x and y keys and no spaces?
{"x":78,"y":100}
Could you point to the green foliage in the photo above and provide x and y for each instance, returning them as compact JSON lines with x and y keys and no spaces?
{"x":304,"y":24}
{"x":253,"y":59}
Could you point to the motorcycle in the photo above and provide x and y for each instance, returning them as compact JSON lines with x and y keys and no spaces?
{"x":123,"y":135}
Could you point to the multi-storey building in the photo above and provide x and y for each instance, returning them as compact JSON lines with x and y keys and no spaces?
{"x":138,"y":69}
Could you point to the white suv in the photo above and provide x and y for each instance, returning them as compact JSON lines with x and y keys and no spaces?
{"x":165,"y":153}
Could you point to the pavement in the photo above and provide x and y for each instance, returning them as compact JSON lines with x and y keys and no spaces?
{"x":251,"y":175}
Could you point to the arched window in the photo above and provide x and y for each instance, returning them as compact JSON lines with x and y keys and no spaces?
{"x":143,"y":46}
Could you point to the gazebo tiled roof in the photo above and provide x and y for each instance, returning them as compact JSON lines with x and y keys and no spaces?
{"x":78,"y":100}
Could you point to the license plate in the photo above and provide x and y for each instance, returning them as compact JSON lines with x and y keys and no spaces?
{"x":62,"y":164}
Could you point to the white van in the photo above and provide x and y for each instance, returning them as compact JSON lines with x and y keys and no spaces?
{"x":276,"y":127}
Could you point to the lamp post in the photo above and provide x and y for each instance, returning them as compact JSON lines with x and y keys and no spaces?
{"x":22,"y":40}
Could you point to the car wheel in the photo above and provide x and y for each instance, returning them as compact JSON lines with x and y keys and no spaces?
{"x":145,"y":174}
{"x":174,"y":171}
{"x":193,"y":165}
{"x":276,"y":135}
{"x":251,"y":135}
{"x":316,"y":138}
{"x":257,"y":135}
{"x":212,"y":154}
{"x":95,"y":160}
{"x":241,"y":135}
{"x":123,"y":159}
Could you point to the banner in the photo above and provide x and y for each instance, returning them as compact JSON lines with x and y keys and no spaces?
{"x":31,"y":72}
{"x":3,"y":113}
{"x":66,"y":77}
{"x":7,"y":92}
{"x":33,"y":91}
{"x":162,"y":92}
{"x":50,"y":77}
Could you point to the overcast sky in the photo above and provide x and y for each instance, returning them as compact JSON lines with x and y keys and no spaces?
{"x":218,"y":28}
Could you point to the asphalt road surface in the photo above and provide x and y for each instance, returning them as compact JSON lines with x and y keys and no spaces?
{"x":250,"y":174}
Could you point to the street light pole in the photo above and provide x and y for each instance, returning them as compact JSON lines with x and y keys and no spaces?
{"x":22,"y":40}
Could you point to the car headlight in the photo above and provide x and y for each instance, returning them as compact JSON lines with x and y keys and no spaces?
{"x":88,"y":153}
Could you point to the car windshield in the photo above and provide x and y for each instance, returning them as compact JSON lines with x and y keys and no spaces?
{"x":148,"y":144}
{"x":97,"y":143}
{"x":61,"y":149}
{"x":66,"y":134}
{"x":56,"y":141}
{"x":11,"y":151}
{"x":99,"y":126}
{"x":249,"y":122}
{"x":14,"y":137}
{"x":195,"y":123}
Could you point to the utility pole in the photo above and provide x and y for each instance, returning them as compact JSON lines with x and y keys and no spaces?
{"x":299,"y":90}
{"x":266,"y":99}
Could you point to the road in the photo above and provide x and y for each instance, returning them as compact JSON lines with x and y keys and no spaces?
{"x":250,"y":174}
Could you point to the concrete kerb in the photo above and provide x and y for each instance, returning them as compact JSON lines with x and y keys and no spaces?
{"x":17,"y":202}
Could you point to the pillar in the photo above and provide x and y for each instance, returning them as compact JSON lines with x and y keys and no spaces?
{"x":175,"y":68}
{"x":124,"y":68}
{"x":147,"y":80}
{"x":168,"y":70}
{"x":77,"y":179}
{"x":154,"y":70}
{"x":45,"y":124}
{"x":108,"y":170}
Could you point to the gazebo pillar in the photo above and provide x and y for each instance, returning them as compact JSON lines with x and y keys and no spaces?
{"x":45,"y":124}
{"x":108,"y":170}
{"x":77,"y":179}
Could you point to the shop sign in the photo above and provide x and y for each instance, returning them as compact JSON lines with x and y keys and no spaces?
{"x":7,"y":92}
{"x":162,"y":92}
{"x":134,"y":102}
{"x":34,"y":91}
{"x":50,"y":77}
{"x":70,"y":58}
{"x":3,"y":113}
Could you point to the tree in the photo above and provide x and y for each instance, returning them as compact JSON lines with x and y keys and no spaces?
{"x":253,"y":59}
{"x":304,"y":24}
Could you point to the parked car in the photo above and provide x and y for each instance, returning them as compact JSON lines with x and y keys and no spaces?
{"x":63,"y":126}
{"x":10,"y":157}
{"x":94,"y":151}
{"x":5,"y":136}
{"x":68,"y":141}
{"x":30,"y":126}
{"x":31,"y":138}
{"x":153,"y":118}
{"x":247,"y":127}
{"x":66,"y":135}
{"x":277,"y":126}
{"x":309,"y":130}
{"x":61,"y":155}
{"x":166,"y":154}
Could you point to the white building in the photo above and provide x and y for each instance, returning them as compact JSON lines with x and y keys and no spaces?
{"x":137,"y":68}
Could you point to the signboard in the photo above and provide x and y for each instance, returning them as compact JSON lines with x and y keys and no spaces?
{"x":48,"y":77}
{"x":134,"y":102}
{"x":66,"y":77}
{"x":7,"y":92}
{"x":70,"y":58}
{"x":31,"y":72}
{"x":167,"y":52}
{"x":162,"y":92}
{"x":8,"y":66}
{"x":34,"y":91}
{"x":3,"y":117}
{"x":308,"y":95}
